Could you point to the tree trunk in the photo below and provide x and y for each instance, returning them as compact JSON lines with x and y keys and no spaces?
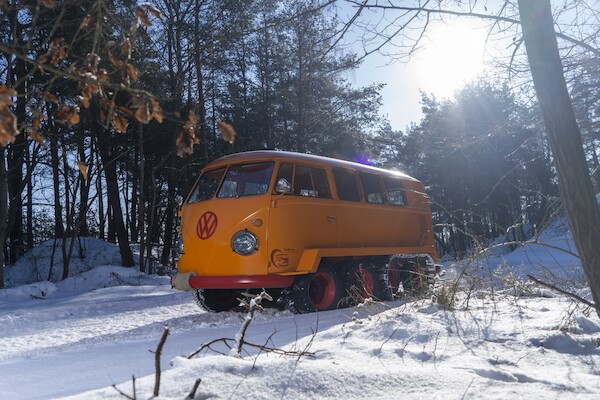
{"x":3,"y":211}
{"x":16,"y":157}
{"x":59,"y":228}
{"x":574,"y":180}
{"x":29,"y":234}
{"x":112,"y":190}
{"x":82,"y":225}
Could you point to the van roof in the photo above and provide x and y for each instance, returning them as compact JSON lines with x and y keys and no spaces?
{"x":263,"y":155}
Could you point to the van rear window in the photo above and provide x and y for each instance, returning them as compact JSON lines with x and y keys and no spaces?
{"x":395,"y":192}
{"x":371,"y":188}
{"x":207,"y":185}
{"x":246,"y":180}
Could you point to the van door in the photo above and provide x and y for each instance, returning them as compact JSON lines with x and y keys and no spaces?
{"x":301,"y":217}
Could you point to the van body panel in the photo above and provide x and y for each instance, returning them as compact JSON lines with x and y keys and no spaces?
{"x":297,"y":223}
{"x":311,"y":258}
{"x":213,"y":256}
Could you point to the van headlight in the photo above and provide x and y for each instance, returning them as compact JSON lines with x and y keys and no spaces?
{"x":244,"y":243}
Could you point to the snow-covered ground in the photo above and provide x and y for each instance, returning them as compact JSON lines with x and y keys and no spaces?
{"x":77,"y":338}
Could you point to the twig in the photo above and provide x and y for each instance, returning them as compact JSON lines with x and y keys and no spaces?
{"x":192,"y":393}
{"x":569,"y":294}
{"x":125,"y":394}
{"x":157,"y":354}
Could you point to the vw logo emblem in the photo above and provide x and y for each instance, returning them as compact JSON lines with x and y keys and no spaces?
{"x":207,"y":225}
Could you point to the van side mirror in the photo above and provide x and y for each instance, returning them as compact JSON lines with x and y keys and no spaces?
{"x":283,"y":186}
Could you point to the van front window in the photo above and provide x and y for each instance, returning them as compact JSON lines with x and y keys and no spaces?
{"x":246,"y":180}
{"x":206,"y":186}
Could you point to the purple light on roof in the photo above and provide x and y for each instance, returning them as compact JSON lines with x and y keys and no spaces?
{"x":361,"y":159}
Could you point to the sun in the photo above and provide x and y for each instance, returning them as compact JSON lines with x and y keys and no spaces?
{"x":452,"y":54}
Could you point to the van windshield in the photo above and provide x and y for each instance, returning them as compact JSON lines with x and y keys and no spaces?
{"x":246,"y":180}
{"x":207,"y":185}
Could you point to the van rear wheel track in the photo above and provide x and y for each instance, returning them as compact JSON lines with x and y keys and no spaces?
{"x":320,"y":291}
{"x":367,"y":281}
{"x":217,"y":300}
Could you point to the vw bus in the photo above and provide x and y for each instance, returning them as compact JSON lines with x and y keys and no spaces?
{"x":319,"y":232}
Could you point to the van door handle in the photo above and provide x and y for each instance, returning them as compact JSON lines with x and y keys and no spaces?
{"x":331,"y":219}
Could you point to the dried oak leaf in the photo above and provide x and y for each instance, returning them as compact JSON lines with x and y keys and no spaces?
{"x":82,"y":169}
{"x":227,"y":132}
{"x":8,"y":126}
{"x":50,"y":98}
{"x":114,"y":61}
{"x":156,"y":111}
{"x":38,"y":137}
{"x":142,"y":114}
{"x":126,"y":48}
{"x":87,"y":92}
{"x":120,"y":118}
{"x":6,"y":96}
{"x":142,"y":15}
{"x":88,"y":21}
{"x":187,"y":137}
{"x":155,"y":12}
{"x":68,"y":115}
{"x":129,"y":73}
{"x":56,"y":52}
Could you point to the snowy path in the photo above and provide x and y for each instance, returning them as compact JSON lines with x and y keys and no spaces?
{"x":56,"y":347}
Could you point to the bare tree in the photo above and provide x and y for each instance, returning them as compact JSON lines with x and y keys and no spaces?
{"x":574,"y":180}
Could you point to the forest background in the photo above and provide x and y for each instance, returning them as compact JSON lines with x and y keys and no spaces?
{"x":109,"y":109}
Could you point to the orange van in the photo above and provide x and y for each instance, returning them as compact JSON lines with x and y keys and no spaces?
{"x":318,"y":232}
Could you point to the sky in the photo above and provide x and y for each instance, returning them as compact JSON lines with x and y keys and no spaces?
{"x":452,"y":54}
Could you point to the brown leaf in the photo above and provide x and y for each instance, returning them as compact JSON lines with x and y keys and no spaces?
{"x":155,"y":12}
{"x":67,"y":115}
{"x":6,"y":95}
{"x":57,"y":52}
{"x":126,"y":48}
{"x":102,"y":75}
{"x":83,"y":169}
{"x":141,"y":14}
{"x":227,"y":132}
{"x":38,"y":137}
{"x":4,"y":5}
{"x":50,"y":98}
{"x":156,"y":111}
{"x":187,"y":137}
{"x":88,"y":21}
{"x":114,"y":61}
{"x":120,"y":118}
{"x":47,"y":3}
{"x":8,"y":126}
{"x":129,"y":73}
{"x":142,"y":114}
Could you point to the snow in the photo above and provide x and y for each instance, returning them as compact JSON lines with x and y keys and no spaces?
{"x":76,"y":338}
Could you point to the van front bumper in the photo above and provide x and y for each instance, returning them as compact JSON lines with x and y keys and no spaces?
{"x":191,"y":281}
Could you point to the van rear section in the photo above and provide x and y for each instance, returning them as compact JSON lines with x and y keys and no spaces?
{"x":318,"y":233}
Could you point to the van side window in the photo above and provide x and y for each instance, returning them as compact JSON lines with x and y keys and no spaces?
{"x":246,"y":180}
{"x":371,"y":188}
{"x":395,"y":192}
{"x":307,"y":181}
{"x":346,"y":185}
{"x":311,"y":182}
{"x":207,"y":185}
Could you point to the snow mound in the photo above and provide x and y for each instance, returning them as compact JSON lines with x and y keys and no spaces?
{"x":103,"y":276}
{"x":45,"y":262}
